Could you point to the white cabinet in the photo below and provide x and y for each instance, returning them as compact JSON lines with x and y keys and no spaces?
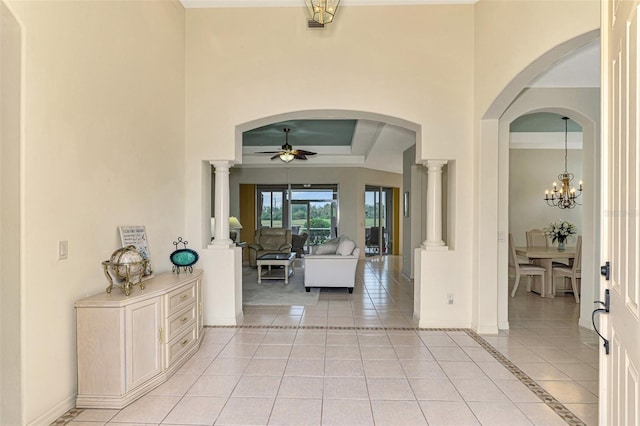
{"x":128,"y":345}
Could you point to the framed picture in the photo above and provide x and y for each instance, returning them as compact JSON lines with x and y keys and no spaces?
{"x":136,"y":235}
{"x":405,"y":204}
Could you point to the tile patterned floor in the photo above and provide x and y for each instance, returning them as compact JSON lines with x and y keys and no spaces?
{"x":359,"y":359}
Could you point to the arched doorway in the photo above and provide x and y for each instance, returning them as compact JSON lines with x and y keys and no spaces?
{"x":494,"y":129}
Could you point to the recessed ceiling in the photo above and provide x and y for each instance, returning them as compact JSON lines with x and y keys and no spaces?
{"x":543,"y":122}
{"x":303,"y":133}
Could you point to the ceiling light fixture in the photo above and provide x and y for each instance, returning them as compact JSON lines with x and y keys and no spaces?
{"x":322,"y":11}
{"x":565,"y":197}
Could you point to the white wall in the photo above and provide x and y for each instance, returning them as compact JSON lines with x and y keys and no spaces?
{"x":531,"y":171}
{"x":103,"y":145}
{"x":351,"y":184}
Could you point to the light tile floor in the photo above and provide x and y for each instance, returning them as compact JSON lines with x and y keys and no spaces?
{"x":359,"y":359}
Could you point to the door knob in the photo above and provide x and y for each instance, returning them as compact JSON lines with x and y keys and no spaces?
{"x":605,"y":270}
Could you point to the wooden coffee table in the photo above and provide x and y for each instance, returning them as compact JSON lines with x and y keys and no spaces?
{"x":276,"y":259}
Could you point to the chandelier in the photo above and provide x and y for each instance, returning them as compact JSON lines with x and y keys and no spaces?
{"x":565,"y":197}
{"x":322,"y":11}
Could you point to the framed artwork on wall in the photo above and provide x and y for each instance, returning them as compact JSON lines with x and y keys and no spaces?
{"x":136,"y":235}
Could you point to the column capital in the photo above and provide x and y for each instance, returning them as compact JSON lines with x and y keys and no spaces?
{"x":220,"y":165}
{"x":435,"y":164}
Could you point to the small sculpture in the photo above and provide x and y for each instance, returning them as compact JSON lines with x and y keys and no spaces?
{"x":127,"y":267}
{"x":184,"y":257}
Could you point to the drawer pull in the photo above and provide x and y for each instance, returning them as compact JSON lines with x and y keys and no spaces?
{"x":184,"y":342}
{"x":184,"y":296}
{"x":183,"y":319}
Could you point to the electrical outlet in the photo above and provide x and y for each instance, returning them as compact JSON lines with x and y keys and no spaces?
{"x":63,"y":250}
{"x":450,"y":298}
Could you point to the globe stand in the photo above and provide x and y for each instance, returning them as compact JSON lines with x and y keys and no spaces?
{"x":127,"y":267}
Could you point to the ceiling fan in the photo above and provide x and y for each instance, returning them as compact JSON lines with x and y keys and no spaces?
{"x":287,"y":153}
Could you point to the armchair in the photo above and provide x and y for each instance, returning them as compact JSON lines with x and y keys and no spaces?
{"x":269,"y":240}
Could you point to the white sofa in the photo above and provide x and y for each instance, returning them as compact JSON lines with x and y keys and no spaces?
{"x":331,"y":270}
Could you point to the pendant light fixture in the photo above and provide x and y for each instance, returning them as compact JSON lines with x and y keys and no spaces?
{"x":565,"y":197}
{"x":322,"y":11}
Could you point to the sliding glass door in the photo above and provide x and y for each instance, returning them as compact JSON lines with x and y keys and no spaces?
{"x":304,"y":208}
{"x":378,"y":207}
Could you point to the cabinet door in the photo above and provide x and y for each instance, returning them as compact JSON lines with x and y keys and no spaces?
{"x":143,"y":341}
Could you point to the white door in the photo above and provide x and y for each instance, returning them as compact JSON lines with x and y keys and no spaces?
{"x":619,"y":381}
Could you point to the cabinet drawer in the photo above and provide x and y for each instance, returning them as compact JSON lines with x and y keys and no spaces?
{"x":181,"y":344}
{"x":180,"y":321}
{"x":180,"y":298}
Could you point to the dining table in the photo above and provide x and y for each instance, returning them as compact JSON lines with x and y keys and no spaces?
{"x":544,"y":256}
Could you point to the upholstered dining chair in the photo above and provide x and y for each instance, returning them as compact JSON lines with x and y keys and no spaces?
{"x":524,"y":269}
{"x":537,"y":238}
{"x":573,"y":272}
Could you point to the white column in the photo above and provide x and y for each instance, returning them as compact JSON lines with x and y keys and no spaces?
{"x":222,"y":202}
{"x":434,"y":204}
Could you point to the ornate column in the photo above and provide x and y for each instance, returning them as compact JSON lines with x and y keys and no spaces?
{"x":434,"y":204}
{"x":222,"y":202}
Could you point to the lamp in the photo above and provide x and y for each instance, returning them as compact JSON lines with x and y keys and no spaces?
{"x":234,"y":225}
{"x":322,"y":11}
{"x":566,"y":196}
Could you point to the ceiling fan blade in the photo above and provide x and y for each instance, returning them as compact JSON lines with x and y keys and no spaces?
{"x":268,"y":152}
{"x":302,"y":151}
{"x":276,"y":156}
{"x":299,"y":156}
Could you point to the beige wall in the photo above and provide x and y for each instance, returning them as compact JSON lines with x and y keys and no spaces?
{"x":102,"y":146}
{"x":418,"y":69}
{"x":515,"y":41}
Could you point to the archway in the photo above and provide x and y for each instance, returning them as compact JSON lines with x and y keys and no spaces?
{"x":354,"y":231}
{"x":491,"y":300}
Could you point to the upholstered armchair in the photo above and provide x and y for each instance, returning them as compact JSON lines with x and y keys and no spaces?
{"x":269,"y":240}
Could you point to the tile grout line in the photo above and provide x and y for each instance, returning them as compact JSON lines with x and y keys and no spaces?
{"x":556,"y":406}
{"x":531,"y":384}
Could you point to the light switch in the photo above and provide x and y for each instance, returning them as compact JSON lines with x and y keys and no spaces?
{"x":63,"y":250}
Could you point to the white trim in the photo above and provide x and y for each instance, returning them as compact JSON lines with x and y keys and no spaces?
{"x":52,"y":414}
{"x":195,"y":4}
{"x":544,"y":140}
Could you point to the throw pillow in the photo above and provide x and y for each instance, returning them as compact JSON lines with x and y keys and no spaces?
{"x":345,"y":248}
{"x":327,"y":248}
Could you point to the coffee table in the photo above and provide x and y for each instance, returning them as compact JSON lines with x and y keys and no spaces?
{"x":276,"y":259}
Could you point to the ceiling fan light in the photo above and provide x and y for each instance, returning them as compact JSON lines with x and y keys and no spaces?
{"x":286,"y":157}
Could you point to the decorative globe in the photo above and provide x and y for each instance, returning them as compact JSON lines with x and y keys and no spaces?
{"x":127,"y":257}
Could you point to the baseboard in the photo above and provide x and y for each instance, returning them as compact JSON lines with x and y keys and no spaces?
{"x":443,"y":324}
{"x":54,"y":412}
{"x":503,"y":325}
{"x":487,"y":329}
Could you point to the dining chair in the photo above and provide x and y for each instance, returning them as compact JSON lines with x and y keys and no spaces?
{"x":572,"y":272}
{"x":537,"y":238}
{"x":524,"y":269}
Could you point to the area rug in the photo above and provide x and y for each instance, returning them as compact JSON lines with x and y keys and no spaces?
{"x":275,"y":292}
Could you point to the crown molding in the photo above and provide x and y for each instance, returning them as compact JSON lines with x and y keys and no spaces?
{"x":205,"y":4}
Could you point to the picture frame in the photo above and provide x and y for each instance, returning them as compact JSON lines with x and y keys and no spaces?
{"x":136,"y":235}
{"x":405,"y":204}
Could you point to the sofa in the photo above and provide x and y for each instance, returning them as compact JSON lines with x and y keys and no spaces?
{"x":332,"y":265}
{"x":269,"y":240}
